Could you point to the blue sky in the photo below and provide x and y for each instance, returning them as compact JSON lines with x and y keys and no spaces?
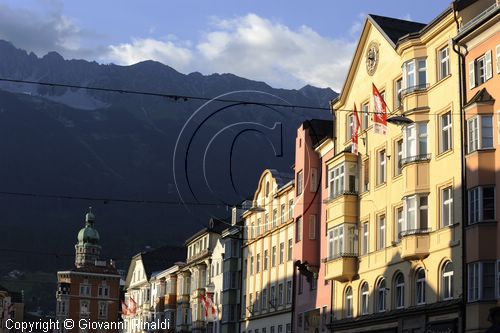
{"x":284,"y":43}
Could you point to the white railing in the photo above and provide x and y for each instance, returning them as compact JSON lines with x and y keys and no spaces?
{"x":479,"y":16}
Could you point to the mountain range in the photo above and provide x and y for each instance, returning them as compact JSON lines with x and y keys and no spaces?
{"x":159,"y":165}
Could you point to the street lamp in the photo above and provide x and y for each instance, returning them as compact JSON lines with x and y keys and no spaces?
{"x":399,"y":120}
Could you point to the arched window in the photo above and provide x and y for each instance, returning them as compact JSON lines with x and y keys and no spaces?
{"x":348,"y":302}
{"x":420,"y":286}
{"x":267,"y":189}
{"x":399,"y":287}
{"x":381,"y":290}
{"x":447,"y":281}
{"x":364,"y":299}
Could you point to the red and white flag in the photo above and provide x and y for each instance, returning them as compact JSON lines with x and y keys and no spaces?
{"x":355,"y":129}
{"x":380,"y":115}
{"x":132,"y":308}
{"x":209,"y":307}
{"x":124,"y":309}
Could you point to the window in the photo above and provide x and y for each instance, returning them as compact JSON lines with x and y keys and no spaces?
{"x":275,"y":217}
{"x":366,"y":174}
{"x":264,"y":299}
{"x":365,"y":114}
{"x":299,"y":184}
{"x":399,"y":219}
{"x":381,"y":291}
{"x":348,"y":302}
{"x":382,"y":169}
{"x":480,"y":70}
{"x":335,"y":242}
{"x":481,"y":279}
{"x":381,"y":233}
{"x":280,"y":328}
{"x":420,"y":287}
{"x":446,"y":133}
{"x":251,"y":265}
{"x":498,"y":58}
{"x":447,"y":281}
{"x":266,"y":259}
{"x":84,"y":290}
{"x":280,"y":294}
{"x":257,"y":301}
{"x":273,"y":296}
{"x":290,"y":250}
{"x":415,"y":218}
{"x":282,"y":252}
{"x":398,"y":87}
{"x":298,"y":230}
{"x":283,"y":209}
{"x":364,"y":242}
{"x":342,"y":178}
{"x":479,"y":137}
{"x":364,"y":299}
{"x":481,"y":204}
{"x":103,"y":310}
{"x":399,"y":157}
{"x":290,"y":209}
{"x":84,"y":307}
{"x":350,"y":125}
{"x":312,"y":227}
{"x":446,"y":207}
{"x":444,"y":62}
{"x":267,"y":189}
{"x":258,"y":227}
{"x":103,"y":291}
{"x":257,"y":265}
{"x":273,"y":257}
{"x":415,"y":150}
{"x":414,"y":74}
{"x":288,"y":292}
{"x":266,"y":222}
{"x":399,"y":286}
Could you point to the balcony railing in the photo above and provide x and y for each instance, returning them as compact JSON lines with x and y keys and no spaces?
{"x":415,"y":158}
{"x":410,"y":232}
{"x":336,"y":195}
{"x":409,"y":90}
{"x":335,"y":256}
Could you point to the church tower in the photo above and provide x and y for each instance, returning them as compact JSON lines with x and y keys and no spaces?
{"x":87,"y":249}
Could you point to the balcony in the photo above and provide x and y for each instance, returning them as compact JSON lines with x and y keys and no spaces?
{"x":415,"y":98}
{"x":415,"y":244}
{"x":200,"y":254}
{"x":416,"y":173}
{"x":342,"y":267}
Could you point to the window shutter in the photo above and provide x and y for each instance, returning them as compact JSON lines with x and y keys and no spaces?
{"x":498,"y":63}
{"x":312,"y":227}
{"x":487,"y":64}
{"x":472,"y":75}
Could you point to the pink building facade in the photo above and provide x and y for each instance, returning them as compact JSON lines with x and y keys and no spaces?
{"x":312,"y":299}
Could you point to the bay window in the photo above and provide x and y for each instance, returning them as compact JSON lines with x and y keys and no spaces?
{"x":415,"y":214}
{"x":481,"y":204}
{"x":415,"y":147}
{"x":415,"y":74}
{"x":479,"y":133}
{"x":342,"y":241}
{"x":342,"y":178}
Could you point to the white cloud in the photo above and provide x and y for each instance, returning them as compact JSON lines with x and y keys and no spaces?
{"x":250,"y":46}
{"x":150,"y":49}
{"x":258,"y":48}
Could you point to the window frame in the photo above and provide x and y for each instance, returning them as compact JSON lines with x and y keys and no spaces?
{"x":443,"y":60}
{"x":365,"y":238}
{"x":399,"y":295}
{"x":474,"y":216}
{"x":381,"y":232}
{"x":445,"y":132}
{"x":381,"y":167}
{"x":420,"y":287}
{"x":381,"y":296}
{"x":447,"y":205}
{"x":447,"y":281}
{"x":348,"y":303}
{"x":364,"y":299}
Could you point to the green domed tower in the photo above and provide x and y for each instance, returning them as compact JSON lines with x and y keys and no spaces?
{"x":87,"y":249}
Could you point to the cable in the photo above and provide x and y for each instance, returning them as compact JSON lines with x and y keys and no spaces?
{"x":147,"y":93}
{"x":185,"y":98}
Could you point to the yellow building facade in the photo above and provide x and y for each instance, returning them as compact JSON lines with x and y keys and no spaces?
{"x":393,"y":213}
{"x":267,"y":283}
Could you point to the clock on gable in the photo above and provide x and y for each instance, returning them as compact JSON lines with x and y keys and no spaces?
{"x":372,"y":58}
